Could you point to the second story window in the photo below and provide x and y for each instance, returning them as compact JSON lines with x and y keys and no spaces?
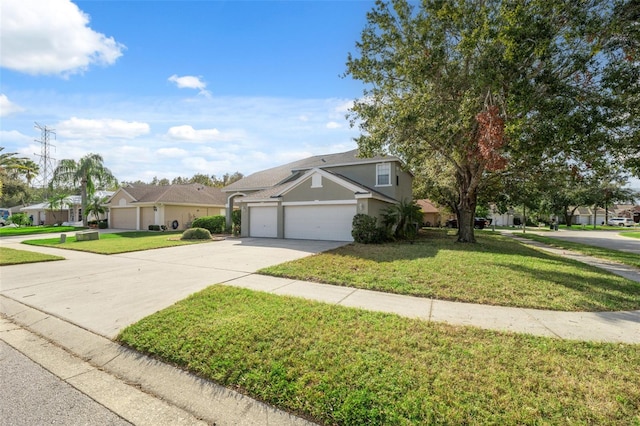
{"x":383,"y":174}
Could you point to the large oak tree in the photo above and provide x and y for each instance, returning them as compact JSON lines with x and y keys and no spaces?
{"x":474,"y":85}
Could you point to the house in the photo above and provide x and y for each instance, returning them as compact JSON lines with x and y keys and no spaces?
{"x":70,"y":211}
{"x":317,"y":197}
{"x":174,"y":206}
{"x":431,"y":215}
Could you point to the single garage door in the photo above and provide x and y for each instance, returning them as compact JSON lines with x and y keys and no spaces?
{"x":122,"y":218}
{"x":263,"y":222}
{"x":319,"y":222}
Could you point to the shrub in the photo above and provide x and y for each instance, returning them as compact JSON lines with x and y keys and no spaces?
{"x":366,"y":230}
{"x":196,"y":234}
{"x":19,"y":219}
{"x":154,"y":227}
{"x":215,"y":224}
{"x":403,"y":219}
{"x":103,"y":224}
{"x":236,"y":219}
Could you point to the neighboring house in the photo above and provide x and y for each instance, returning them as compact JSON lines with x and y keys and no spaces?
{"x":431,"y":215}
{"x":70,"y":211}
{"x":584,"y":216}
{"x":317,"y":197}
{"x":174,"y":206}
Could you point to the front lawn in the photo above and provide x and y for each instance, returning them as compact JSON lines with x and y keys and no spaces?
{"x":496,"y":270}
{"x":632,"y":234}
{"x":343,"y":366}
{"x":10,"y":256}
{"x":9,"y":231}
{"x":119,"y":242}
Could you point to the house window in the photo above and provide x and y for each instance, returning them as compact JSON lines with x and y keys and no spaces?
{"x":316,"y":181}
{"x":383,"y":174}
{"x":79,"y":214}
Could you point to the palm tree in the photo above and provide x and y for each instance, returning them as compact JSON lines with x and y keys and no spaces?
{"x":96,"y":206}
{"x":403,"y":219}
{"x":86,"y":172}
{"x":9,"y":164}
{"x":57,"y":201}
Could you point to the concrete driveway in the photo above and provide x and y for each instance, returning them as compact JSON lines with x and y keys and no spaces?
{"x":106,"y":293}
{"x":607,"y":239}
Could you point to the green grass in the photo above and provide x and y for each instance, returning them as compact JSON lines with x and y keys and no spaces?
{"x":34,"y":230}
{"x":631,"y":259}
{"x":496,"y":270}
{"x":16,"y":257}
{"x":344,"y":366}
{"x":118,"y":242}
{"x":632,"y":234}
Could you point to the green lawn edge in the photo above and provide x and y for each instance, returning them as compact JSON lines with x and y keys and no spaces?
{"x":118,"y":242}
{"x":344,"y":366}
{"x":497,"y":270}
{"x":626,"y":258}
{"x":9,"y":256}
{"x":35,"y":230}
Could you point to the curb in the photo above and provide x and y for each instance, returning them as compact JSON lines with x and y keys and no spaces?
{"x":136,"y":387}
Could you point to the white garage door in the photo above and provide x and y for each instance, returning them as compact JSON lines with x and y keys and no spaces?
{"x":263,"y":222}
{"x":319,"y":222}
{"x":122,"y":218}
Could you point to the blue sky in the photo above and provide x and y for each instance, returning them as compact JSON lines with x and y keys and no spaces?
{"x":174,"y":88}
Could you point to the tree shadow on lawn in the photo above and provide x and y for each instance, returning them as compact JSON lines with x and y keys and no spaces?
{"x":428,"y":245}
{"x":606,"y":293}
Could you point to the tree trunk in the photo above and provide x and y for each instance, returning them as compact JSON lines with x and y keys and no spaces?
{"x":466,"y":214}
{"x":83,"y":196}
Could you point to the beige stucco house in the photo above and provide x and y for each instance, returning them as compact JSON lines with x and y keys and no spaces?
{"x":317,"y":197}
{"x":173,"y":206}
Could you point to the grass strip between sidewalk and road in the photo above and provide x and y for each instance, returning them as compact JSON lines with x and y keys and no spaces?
{"x":626,"y":258}
{"x":497,"y":270}
{"x":119,"y":242}
{"x":344,"y":366}
{"x":10,"y":256}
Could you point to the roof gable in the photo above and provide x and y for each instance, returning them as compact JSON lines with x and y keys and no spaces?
{"x":279,"y":191}
{"x":285,"y":173}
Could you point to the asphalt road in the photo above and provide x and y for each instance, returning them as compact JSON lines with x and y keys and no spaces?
{"x":30,"y":395}
{"x":607,"y":239}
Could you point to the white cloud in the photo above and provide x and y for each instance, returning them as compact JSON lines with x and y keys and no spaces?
{"x":188,"y":133}
{"x":7,"y":107}
{"x":102,"y":128}
{"x":51,"y":37}
{"x":344,"y":107}
{"x":333,"y":125}
{"x":190,"y":82}
{"x":171,"y":152}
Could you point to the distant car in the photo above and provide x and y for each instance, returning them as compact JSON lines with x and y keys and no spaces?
{"x":4,"y":215}
{"x":620,"y":221}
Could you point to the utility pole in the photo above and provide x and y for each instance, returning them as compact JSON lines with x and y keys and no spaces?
{"x":46,"y":161}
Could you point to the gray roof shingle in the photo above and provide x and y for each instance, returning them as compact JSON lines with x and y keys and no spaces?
{"x":178,"y":194}
{"x":277,"y":175}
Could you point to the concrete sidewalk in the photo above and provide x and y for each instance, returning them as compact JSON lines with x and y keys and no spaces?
{"x":623,"y":327}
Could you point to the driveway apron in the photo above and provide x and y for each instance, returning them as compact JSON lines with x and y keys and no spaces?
{"x":106,"y":293}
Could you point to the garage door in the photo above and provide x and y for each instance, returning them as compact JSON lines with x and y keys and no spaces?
{"x":122,"y":218}
{"x":319,"y":222}
{"x":263,"y":222}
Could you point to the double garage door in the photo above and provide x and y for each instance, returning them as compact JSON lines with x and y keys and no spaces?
{"x":317,"y":222}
